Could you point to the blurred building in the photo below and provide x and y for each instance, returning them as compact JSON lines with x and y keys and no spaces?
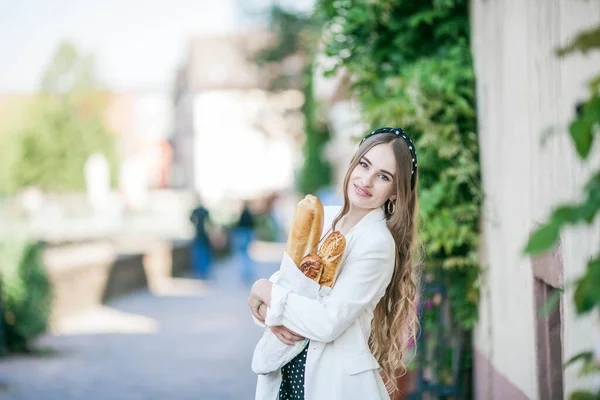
{"x":523,"y":89}
{"x":142,"y":121}
{"x":233,"y":138}
{"x":8,"y":100}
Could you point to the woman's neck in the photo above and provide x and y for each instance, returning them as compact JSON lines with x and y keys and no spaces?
{"x":352,"y":218}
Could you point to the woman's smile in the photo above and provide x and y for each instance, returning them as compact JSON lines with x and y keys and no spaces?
{"x":361,"y":191}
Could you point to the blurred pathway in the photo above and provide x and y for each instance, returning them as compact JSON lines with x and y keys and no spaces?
{"x":190,"y":341}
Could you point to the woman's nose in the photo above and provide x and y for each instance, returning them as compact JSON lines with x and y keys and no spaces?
{"x":367,"y":180}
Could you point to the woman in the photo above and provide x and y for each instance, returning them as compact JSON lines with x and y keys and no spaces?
{"x":367,"y":320}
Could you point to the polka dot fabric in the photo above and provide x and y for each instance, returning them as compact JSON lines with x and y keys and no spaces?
{"x":292,"y":384}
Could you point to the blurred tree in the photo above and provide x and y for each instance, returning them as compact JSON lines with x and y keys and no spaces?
{"x":316,"y":171}
{"x":290,"y":58}
{"x":59,"y":129}
{"x":11,"y":121}
{"x":69,"y":71}
{"x":290,"y":47}
{"x":410,"y":65}
{"x":26,"y":293}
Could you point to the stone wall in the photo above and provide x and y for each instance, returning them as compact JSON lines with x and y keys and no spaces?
{"x":86,"y":275}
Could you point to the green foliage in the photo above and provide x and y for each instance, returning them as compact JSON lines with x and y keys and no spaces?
{"x":584,"y":41}
{"x":266,"y":228}
{"x":586,"y":126}
{"x":568,"y":214}
{"x":26,"y":293}
{"x":581,"y":395}
{"x":552,"y":303}
{"x":588,"y":366}
{"x":410,"y":66}
{"x":10,"y":145}
{"x":316,"y":171}
{"x":583,"y":130}
{"x":296,"y":37}
{"x":288,"y":28}
{"x":57,"y":130}
{"x":69,"y":71}
{"x":55,"y":145}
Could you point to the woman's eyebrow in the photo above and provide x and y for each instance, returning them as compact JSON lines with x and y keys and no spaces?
{"x":382,"y":170}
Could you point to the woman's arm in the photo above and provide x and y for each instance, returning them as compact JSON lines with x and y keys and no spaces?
{"x":363,"y":279}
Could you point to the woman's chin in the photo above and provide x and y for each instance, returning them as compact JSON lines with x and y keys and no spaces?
{"x":359,"y":202}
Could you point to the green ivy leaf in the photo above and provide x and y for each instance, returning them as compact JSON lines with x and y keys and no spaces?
{"x":587,"y":295}
{"x":581,"y":395}
{"x":583,"y":42}
{"x":582,"y":129}
{"x":581,"y":133}
{"x":551,"y":303}
{"x":586,"y":356}
{"x":543,"y":238}
{"x":594,"y":84}
{"x":583,"y":297}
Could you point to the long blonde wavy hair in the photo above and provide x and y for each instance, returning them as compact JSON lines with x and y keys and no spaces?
{"x":395,"y":321}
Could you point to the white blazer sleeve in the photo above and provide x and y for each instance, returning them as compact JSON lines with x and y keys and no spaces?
{"x":365,"y":274}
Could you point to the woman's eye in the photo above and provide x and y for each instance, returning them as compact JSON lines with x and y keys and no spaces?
{"x":363,"y":164}
{"x":384,"y":177}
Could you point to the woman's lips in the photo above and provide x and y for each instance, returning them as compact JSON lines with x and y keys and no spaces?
{"x":361,"y":192}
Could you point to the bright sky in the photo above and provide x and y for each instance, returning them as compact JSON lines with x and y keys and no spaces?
{"x":138,"y":44}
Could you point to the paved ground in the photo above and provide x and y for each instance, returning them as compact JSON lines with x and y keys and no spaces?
{"x":190,"y":341}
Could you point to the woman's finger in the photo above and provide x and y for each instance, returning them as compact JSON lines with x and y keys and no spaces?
{"x":296,"y":338}
{"x":287,"y":341}
{"x":293,"y":335}
{"x":287,"y":334}
{"x":257,"y":315}
{"x":262,"y":310}
{"x":292,"y":332}
{"x":254,"y":305}
{"x":279,"y":334}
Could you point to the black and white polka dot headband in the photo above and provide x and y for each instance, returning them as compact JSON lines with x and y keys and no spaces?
{"x":400,"y":133}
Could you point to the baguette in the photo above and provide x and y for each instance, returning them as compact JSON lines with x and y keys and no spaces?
{"x":312,"y":267}
{"x":331,"y":253}
{"x":306,"y":230}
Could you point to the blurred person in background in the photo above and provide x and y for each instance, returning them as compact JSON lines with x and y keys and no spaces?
{"x":201,"y":248}
{"x":360,"y":331}
{"x":243,"y":233}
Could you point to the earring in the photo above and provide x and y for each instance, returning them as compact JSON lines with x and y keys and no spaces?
{"x":390,"y":207}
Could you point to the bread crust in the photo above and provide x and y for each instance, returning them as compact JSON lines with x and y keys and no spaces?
{"x":306,"y":230}
{"x":331,"y":253}
{"x":312,"y":267}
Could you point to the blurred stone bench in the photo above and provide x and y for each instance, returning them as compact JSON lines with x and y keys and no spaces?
{"x":86,"y":275}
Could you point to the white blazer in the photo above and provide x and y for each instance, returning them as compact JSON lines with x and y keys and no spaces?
{"x":339,"y":364}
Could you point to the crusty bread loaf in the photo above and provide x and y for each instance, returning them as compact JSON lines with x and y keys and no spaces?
{"x":331,"y":253}
{"x":312,"y":267}
{"x":306,"y":230}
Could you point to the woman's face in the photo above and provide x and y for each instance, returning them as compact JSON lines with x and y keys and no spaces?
{"x":372,"y":182}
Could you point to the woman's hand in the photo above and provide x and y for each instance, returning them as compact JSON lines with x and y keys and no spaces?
{"x":256,"y":305}
{"x":260,"y":294}
{"x":285,"y":335}
{"x":262,"y":311}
